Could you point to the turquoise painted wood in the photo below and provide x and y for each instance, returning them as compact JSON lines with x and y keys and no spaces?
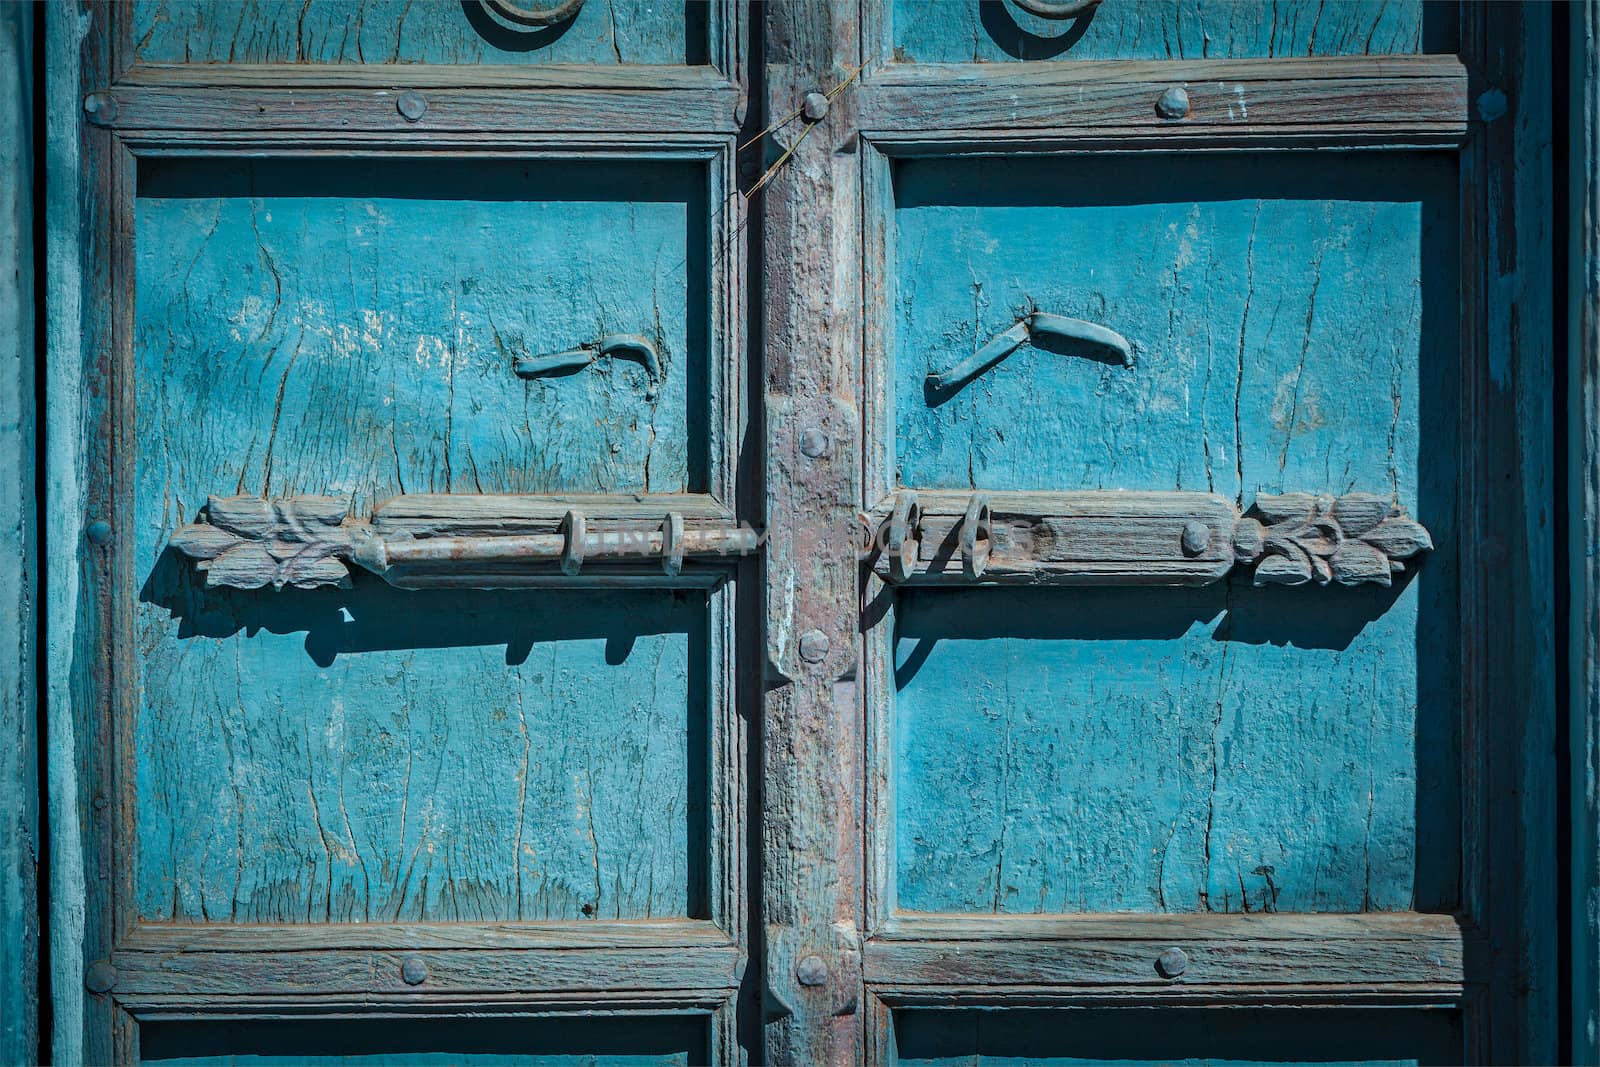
{"x":21,"y":845}
{"x":413,"y":31}
{"x":1224,"y":749}
{"x":350,"y":329}
{"x":640,"y":1041}
{"x":1191,"y":1038}
{"x":992,"y":31}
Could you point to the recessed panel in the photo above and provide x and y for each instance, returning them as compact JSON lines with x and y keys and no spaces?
{"x":373,"y":755}
{"x":1293,"y":327}
{"x":604,"y":32}
{"x":628,"y":1041}
{"x":1291,"y":323}
{"x":375,"y":328}
{"x":995,"y":31}
{"x":1177,"y":1036}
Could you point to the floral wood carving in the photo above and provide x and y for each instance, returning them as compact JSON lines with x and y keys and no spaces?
{"x":250,"y":542}
{"x":1349,"y":540}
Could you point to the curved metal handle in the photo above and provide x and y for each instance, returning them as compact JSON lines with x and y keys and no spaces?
{"x":618,"y":345}
{"x":546,"y":15}
{"x":1041,"y":324}
{"x":1058,"y":9}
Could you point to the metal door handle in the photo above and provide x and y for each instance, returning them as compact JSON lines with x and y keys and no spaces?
{"x":617,"y":345}
{"x":1058,"y":9}
{"x":546,"y":15}
{"x":1038,"y":323}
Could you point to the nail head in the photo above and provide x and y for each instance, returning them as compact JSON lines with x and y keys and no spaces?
{"x":1196,"y":537}
{"x":101,"y":108}
{"x":1174,"y":103}
{"x":814,"y":646}
{"x":413,"y":971}
{"x":815,"y":107}
{"x":411,"y":106}
{"x":1172,"y":963}
{"x":98,"y":532}
{"x":101,"y":977}
{"x":814,"y":443}
{"x":811,"y":971}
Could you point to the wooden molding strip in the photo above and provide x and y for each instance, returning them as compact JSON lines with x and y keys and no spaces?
{"x":464,"y":541}
{"x":1403,"y":100}
{"x":977,"y":959}
{"x":419,"y":103}
{"x":1139,"y":538}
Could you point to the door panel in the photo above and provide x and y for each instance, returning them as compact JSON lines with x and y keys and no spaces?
{"x":410,"y":290}
{"x":993,"y":31}
{"x":338,"y":757}
{"x":1193,"y":1038}
{"x":1103,"y":750}
{"x":395,"y":31}
{"x":641,"y":1041}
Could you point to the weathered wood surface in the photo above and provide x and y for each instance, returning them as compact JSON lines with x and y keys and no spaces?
{"x":21,"y":846}
{"x":1583,"y":538}
{"x":811,"y":819}
{"x":1147,"y":1037}
{"x":402,"y":32}
{"x":1000,"y":31}
{"x":1228,"y":103}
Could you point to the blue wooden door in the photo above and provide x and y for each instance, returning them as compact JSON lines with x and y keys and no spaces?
{"x":1087,"y":602}
{"x":413,"y":364}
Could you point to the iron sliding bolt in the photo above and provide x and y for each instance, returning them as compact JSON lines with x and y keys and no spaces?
{"x":306,"y":542}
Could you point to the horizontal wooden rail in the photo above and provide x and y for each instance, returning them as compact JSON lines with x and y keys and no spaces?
{"x":1416,"y":101}
{"x":1229,"y":958}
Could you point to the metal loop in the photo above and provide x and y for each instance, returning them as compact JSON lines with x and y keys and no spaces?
{"x":672,"y":544}
{"x":900,"y":541}
{"x":1057,"y":9}
{"x":977,"y":536}
{"x":547,"y":15}
{"x":577,"y":531}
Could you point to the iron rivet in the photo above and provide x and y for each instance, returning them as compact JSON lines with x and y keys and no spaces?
{"x":100,"y":802}
{"x":815,"y":107}
{"x":813,"y":646}
{"x":1174,"y":103}
{"x":1196,"y":537}
{"x":1172,"y":963}
{"x":411,"y":106}
{"x":413,"y":971}
{"x":101,"y":977}
{"x":98,"y":532}
{"x":814,"y":442}
{"x":811,"y":971}
{"x":101,"y":108}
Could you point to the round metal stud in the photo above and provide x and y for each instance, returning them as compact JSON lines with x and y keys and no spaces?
{"x":811,"y":971}
{"x":411,"y":105}
{"x":1172,"y":963}
{"x":1174,"y":103}
{"x":1196,"y":537}
{"x":814,"y":107}
{"x":101,"y":108}
{"x":98,"y":532}
{"x":101,"y":977}
{"x":813,"y":442}
{"x":413,"y":971}
{"x":814,"y":645}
